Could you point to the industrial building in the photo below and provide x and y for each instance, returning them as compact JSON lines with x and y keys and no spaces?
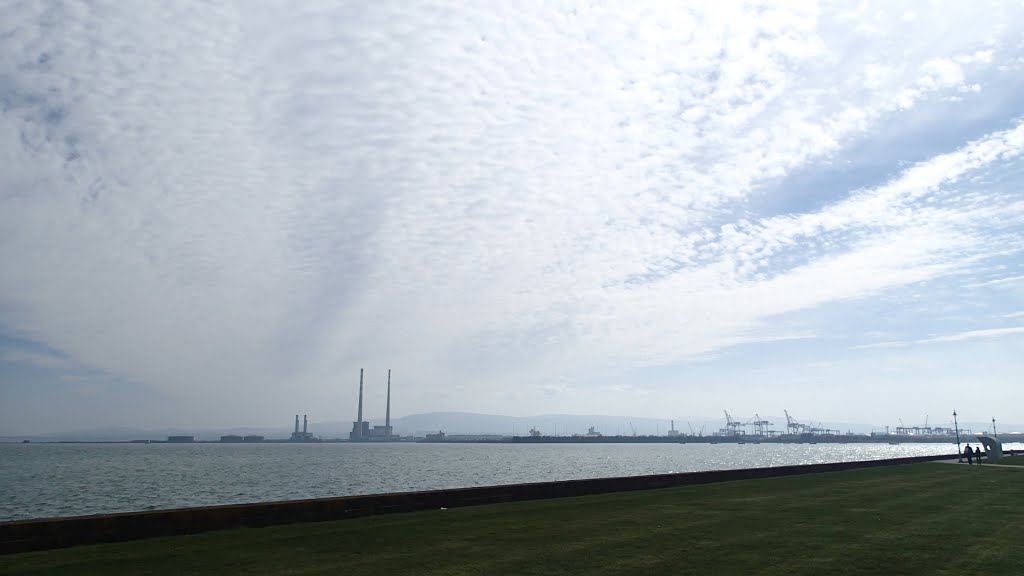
{"x":305,"y":435}
{"x":231,"y":438}
{"x":361,"y":430}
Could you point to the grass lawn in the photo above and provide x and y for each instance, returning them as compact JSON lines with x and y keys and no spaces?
{"x":916,"y":519}
{"x":1011,"y":460}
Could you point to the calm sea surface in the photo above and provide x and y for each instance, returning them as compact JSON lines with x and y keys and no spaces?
{"x":43,"y":480}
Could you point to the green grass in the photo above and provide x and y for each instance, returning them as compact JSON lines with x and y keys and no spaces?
{"x":918,"y":519}
{"x":1011,"y":461}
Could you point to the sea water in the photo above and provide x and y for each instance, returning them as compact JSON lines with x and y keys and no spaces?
{"x":46,"y":480}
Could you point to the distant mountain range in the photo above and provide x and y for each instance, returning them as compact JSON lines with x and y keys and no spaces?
{"x":454,"y":423}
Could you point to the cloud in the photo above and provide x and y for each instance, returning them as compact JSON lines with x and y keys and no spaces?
{"x":220,"y":201}
{"x":958,"y":337}
{"x":997,"y":282}
{"x":38,"y":358}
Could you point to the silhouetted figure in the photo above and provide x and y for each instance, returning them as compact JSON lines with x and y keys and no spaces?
{"x":978,"y":453}
{"x":969,"y":453}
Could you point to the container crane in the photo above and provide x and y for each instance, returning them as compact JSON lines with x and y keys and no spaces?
{"x":760,"y":426}
{"x":792,"y":426}
{"x":733,"y":427}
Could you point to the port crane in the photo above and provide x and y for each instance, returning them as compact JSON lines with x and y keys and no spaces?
{"x":792,"y":426}
{"x":733,"y":427}
{"x":917,"y":430}
{"x":796,"y":428}
{"x":761,"y":426}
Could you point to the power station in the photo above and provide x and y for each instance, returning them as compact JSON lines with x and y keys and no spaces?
{"x":361,"y":431}
{"x":305,"y":435}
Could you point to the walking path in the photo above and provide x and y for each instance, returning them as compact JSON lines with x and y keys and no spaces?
{"x":986,"y":465}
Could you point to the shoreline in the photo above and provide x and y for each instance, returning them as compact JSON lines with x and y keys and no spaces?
{"x":49,"y":533}
{"x":474,"y":439}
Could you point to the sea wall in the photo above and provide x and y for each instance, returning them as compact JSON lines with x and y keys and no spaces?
{"x":40,"y":534}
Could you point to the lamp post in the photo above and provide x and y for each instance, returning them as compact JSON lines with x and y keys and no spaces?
{"x":994,"y":433}
{"x":959,"y":454}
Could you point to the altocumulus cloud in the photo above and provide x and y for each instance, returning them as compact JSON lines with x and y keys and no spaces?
{"x":261,"y":198}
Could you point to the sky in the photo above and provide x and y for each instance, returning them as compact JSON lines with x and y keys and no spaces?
{"x":217,"y":213}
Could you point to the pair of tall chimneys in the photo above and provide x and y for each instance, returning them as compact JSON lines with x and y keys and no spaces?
{"x":359,"y":416}
{"x":305,"y":423}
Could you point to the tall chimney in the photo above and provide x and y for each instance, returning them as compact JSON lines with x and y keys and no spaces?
{"x":305,"y":423}
{"x":360,"y":417}
{"x":296,"y":423}
{"x":387,"y":417}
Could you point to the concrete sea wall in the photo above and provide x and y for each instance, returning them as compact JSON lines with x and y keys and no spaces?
{"x":47,"y":533}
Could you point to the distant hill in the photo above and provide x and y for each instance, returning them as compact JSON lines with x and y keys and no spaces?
{"x":568,"y":424}
{"x":548,"y":424}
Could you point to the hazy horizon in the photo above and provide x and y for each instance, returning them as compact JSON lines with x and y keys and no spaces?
{"x":216,"y":215}
{"x":455,"y":423}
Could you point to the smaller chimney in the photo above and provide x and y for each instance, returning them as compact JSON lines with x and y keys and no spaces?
{"x":305,"y":423}
{"x":296,"y":423}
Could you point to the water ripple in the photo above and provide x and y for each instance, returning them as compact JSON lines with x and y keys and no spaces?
{"x":42,"y":480}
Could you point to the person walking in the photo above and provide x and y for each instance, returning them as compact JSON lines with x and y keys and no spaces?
{"x":969,"y":453}
{"x":978,"y":453}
